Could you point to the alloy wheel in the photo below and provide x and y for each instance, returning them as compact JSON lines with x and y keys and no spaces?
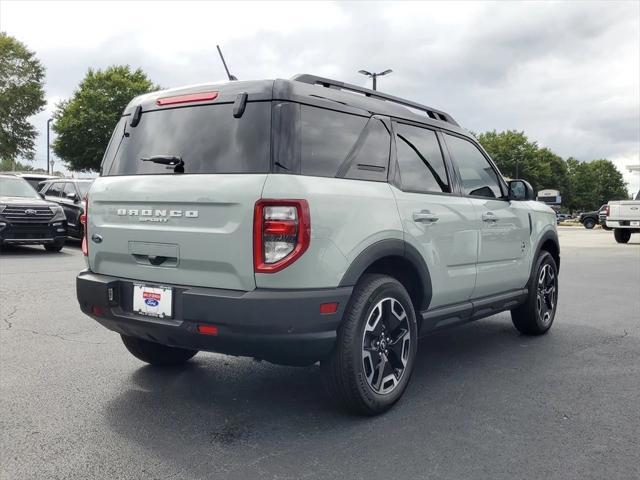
{"x":386,"y":343}
{"x":546,"y":296}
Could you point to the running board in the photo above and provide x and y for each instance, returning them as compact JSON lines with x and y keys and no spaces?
{"x":459,"y":313}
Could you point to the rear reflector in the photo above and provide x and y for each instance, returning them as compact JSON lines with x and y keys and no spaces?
{"x":97,"y":311}
{"x":207,"y":329}
{"x":326,"y":308}
{"x":191,"y":97}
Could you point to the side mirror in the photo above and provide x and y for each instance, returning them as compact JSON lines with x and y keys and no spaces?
{"x":521,"y":190}
{"x":41,"y":195}
{"x":72,"y":196}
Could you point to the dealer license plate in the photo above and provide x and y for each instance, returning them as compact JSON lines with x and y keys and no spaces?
{"x":152,"y":301}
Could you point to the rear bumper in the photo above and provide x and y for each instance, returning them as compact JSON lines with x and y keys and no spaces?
{"x":622,"y":224}
{"x":32,"y":234}
{"x":281,"y":326}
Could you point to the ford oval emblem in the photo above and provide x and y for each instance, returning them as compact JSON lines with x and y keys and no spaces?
{"x":152,"y":302}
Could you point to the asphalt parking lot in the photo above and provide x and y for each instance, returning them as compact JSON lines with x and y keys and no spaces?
{"x":484,"y":402}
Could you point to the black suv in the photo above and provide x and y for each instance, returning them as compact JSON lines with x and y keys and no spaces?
{"x":27,"y":219}
{"x":68,"y":194}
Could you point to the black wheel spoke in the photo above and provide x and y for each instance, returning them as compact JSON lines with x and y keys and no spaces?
{"x":380,"y":372}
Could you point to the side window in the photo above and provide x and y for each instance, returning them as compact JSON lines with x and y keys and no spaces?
{"x":69,"y":187}
{"x":477,"y":175}
{"x":55,"y":190}
{"x":327,"y":138}
{"x":369,"y":159}
{"x":420,"y":160}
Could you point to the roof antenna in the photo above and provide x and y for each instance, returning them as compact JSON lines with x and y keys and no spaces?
{"x":231,"y":77}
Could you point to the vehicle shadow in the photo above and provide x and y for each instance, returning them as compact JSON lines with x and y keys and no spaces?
{"x":222,"y":403}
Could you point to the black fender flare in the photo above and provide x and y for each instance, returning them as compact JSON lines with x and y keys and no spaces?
{"x":547,"y":235}
{"x":391,"y":247}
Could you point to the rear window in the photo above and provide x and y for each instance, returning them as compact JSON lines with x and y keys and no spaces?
{"x":208,"y":138}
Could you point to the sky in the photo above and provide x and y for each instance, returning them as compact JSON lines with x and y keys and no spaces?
{"x":565,"y":73}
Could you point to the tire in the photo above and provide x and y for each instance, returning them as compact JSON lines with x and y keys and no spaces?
{"x":155,"y":353}
{"x":536,"y":315}
{"x":589,"y":223}
{"x":54,"y":247}
{"x":361,"y":375}
{"x":621,"y":235}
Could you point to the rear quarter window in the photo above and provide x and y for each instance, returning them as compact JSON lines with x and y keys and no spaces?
{"x":336,"y":144}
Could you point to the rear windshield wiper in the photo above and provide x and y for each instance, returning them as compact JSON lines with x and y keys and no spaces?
{"x":170,"y":160}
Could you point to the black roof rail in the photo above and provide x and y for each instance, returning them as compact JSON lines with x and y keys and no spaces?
{"x":328,"y":83}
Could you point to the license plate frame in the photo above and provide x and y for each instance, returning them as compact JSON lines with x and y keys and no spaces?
{"x":153,"y":300}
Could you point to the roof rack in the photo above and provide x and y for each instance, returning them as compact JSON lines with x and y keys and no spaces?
{"x":328,"y":83}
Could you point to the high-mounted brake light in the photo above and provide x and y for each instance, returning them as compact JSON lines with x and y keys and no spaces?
{"x":188,"y":98}
{"x":281,"y":233}
{"x":84,"y":220}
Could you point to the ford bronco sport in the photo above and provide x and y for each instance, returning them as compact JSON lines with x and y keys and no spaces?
{"x":307,"y":220}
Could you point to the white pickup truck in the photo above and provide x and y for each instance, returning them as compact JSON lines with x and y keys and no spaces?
{"x":624,"y":218}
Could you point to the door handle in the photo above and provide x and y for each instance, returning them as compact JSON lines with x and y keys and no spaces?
{"x":425,"y":217}
{"x":489,"y":217}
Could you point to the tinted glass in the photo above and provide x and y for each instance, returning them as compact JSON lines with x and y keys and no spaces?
{"x":55,"y":190}
{"x":208,"y":138}
{"x":327,"y":138}
{"x":420,"y":160}
{"x":69,"y":188}
{"x":369,"y":160}
{"x":16,"y":187}
{"x":477,"y":175}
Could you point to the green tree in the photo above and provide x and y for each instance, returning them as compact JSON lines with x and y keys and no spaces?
{"x":8,"y":165}
{"x":609,"y":183}
{"x":518,"y":157}
{"x":21,"y":96}
{"x":84,"y":122}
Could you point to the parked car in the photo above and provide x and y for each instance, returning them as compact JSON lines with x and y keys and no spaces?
{"x":624,"y":218}
{"x":27,"y":219}
{"x":561,"y":217}
{"x":68,"y":193}
{"x":308,"y":220}
{"x":591,"y":219}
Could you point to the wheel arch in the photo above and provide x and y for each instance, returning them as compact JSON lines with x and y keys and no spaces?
{"x":548,"y":242}
{"x":396,"y":258}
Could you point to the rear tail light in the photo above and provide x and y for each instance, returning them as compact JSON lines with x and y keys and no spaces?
{"x":605,"y":210}
{"x":84,"y":220}
{"x":281,"y":233}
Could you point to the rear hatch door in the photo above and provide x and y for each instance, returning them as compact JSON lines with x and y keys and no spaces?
{"x":186,"y":216}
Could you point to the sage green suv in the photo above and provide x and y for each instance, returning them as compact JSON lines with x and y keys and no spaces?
{"x":307,"y":220}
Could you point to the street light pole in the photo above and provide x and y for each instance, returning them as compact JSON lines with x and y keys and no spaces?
{"x":48,"y":141}
{"x":374,"y":76}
